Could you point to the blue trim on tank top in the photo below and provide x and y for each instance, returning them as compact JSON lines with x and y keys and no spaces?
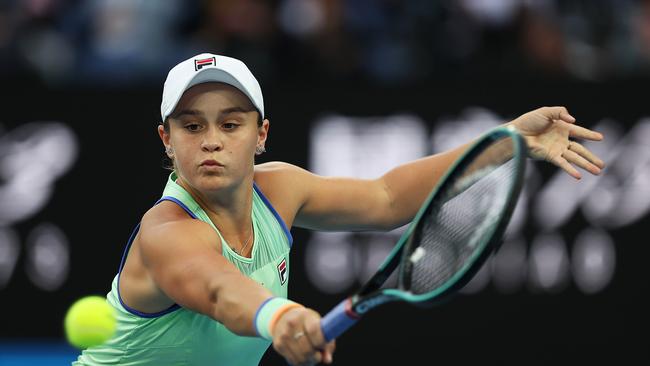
{"x":178,"y":202}
{"x":126,"y":251}
{"x":275,"y":213}
{"x":189,"y":212}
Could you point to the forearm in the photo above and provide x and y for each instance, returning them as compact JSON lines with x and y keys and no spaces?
{"x":235,"y":300}
{"x":246,"y":308}
{"x":408,"y":185}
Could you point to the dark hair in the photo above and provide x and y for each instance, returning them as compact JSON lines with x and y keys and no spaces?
{"x":168,"y":163}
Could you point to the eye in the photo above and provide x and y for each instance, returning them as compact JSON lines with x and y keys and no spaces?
{"x":230,"y":125}
{"x":192,"y":127}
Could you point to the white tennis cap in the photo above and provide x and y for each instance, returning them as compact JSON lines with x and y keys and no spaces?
{"x":208,"y":67}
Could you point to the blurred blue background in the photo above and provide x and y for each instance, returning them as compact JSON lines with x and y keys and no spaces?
{"x":103,"y":43}
{"x":32,"y":352}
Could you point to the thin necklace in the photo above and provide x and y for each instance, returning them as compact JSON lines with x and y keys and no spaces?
{"x":245,"y":245}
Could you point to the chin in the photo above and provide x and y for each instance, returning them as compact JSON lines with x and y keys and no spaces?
{"x":212,"y":182}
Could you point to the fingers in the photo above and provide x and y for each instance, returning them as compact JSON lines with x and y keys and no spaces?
{"x":558,"y":113}
{"x":552,"y":141}
{"x":299,"y":338}
{"x":314,"y":332}
{"x":566,"y":117}
{"x":561,"y":113}
{"x":297,"y":349}
{"x":583,"y":133}
{"x":566,"y":166}
{"x":328,"y":352}
{"x":305,"y":350}
{"x":580,"y":156}
{"x":585,"y":153}
{"x":583,"y":163}
{"x":317,"y":339}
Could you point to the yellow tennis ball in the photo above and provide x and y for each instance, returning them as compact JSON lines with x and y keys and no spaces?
{"x":90,"y":321}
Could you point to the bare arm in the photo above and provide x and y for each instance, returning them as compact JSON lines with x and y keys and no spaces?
{"x":338,"y":203}
{"x":410,"y":184}
{"x":393,"y":199}
{"x":185,"y":264}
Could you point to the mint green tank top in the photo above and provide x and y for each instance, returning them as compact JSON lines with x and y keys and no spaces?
{"x":178,"y":336}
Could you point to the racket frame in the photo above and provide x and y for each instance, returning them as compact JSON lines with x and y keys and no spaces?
{"x":350,"y":310}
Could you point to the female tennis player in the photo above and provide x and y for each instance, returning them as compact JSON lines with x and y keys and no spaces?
{"x":203,"y":279}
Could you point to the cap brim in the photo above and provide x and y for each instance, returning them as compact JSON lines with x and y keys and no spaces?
{"x":206,"y":76}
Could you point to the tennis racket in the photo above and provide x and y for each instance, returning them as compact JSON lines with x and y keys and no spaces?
{"x":457,"y":228}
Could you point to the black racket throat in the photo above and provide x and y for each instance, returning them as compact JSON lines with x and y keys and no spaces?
{"x":379,"y":278}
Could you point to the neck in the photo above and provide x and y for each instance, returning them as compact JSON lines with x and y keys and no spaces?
{"x":229,"y":209}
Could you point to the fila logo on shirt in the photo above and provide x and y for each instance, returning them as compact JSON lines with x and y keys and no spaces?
{"x":282,"y":271}
{"x":200,"y":63}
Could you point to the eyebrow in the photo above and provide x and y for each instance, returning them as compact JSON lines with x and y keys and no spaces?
{"x":236,"y":110}
{"x":195,"y":112}
{"x":186,"y":112}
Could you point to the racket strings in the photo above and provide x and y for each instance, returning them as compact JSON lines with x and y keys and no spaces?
{"x":457,"y":225}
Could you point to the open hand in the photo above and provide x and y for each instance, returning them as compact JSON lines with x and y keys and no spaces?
{"x":548,"y":130}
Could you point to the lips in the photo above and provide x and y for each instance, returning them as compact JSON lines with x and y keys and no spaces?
{"x":211,"y":163}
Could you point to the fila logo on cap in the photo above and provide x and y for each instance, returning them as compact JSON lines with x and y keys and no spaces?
{"x":282,"y":271}
{"x":202,"y":62}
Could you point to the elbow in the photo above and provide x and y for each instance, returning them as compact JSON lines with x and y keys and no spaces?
{"x":215,"y":301}
{"x":389,"y":215}
{"x":220,"y":304}
{"x":226,"y":307}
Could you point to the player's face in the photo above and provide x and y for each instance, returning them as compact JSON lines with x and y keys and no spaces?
{"x":213,"y":133}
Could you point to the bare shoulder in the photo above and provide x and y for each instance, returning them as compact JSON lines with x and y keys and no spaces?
{"x":278,"y":175}
{"x":165,"y":242}
{"x":167,"y":223}
{"x":181,"y":257}
{"x":166,"y":212}
{"x":278,"y":168}
{"x":285,"y":185}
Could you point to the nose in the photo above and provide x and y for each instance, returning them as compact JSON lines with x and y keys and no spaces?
{"x":212,"y":141}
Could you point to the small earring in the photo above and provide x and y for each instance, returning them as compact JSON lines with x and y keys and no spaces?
{"x":259,"y":150}
{"x":169,"y":151}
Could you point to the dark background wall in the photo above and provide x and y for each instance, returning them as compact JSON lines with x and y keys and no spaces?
{"x":117,"y":176}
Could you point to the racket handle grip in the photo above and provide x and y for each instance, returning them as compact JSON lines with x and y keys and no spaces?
{"x":338,"y":320}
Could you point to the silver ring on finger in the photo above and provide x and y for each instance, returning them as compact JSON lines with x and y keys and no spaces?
{"x":298,"y":335}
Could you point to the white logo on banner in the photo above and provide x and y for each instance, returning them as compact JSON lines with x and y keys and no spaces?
{"x":32,"y":158}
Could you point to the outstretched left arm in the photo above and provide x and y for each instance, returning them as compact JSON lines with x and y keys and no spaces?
{"x":393,"y":199}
